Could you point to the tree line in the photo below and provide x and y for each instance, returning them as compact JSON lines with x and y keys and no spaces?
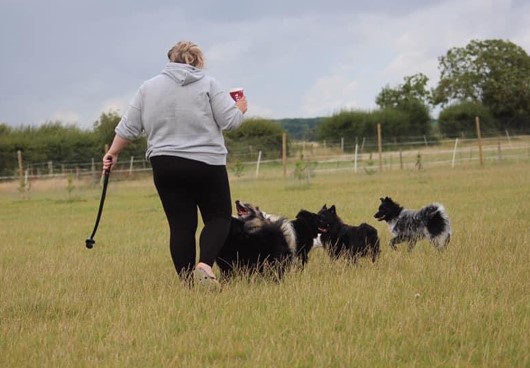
{"x":489,"y":79}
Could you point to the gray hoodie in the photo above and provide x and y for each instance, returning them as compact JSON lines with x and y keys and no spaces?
{"x":183,"y":112}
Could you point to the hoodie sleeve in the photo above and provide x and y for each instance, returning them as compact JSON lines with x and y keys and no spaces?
{"x":130,"y":126}
{"x":225,"y":111}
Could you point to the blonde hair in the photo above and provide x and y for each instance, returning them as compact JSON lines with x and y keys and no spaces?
{"x":186,"y":52}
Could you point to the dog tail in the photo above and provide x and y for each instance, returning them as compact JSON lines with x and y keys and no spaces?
{"x":438,"y":225}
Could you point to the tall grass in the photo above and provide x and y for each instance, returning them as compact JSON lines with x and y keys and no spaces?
{"x":120,"y":304}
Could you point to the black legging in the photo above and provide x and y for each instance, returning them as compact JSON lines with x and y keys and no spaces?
{"x":183,"y":186}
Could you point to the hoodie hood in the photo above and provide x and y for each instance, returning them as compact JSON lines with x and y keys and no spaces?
{"x":183,"y":74}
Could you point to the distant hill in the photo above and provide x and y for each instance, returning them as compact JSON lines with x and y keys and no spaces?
{"x":300,"y":129}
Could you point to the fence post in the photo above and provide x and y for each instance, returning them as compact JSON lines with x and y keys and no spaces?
{"x":20,"y":166}
{"x":454,"y":154}
{"x":131,"y":166}
{"x":477,"y":122}
{"x":355,"y":158}
{"x":92,"y":166}
{"x":379,"y":147}
{"x":258,"y":163}
{"x":284,"y":154}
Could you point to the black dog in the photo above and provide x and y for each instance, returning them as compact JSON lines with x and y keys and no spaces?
{"x":431,"y":222}
{"x":306,"y":229}
{"x":340,"y":239}
{"x":254,"y":245}
{"x":300,"y":232}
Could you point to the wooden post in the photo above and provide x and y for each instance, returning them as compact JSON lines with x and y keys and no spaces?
{"x":131,"y":165}
{"x":401,"y":159}
{"x":20,"y":168}
{"x":509,"y":140}
{"x":258,"y":163}
{"x":454,"y":153}
{"x":355,"y":158}
{"x":477,"y":123}
{"x":20,"y":165}
{"x":284,"y":154}
{"x":380,"y":148}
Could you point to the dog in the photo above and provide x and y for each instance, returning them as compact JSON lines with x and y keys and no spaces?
{"x":301,"y":232}
{"x":254,"y":245}
{"x":406,"y":225}
{"x":306,"y":229}
{"x":340,"y":239}
{"x":252,"y":217}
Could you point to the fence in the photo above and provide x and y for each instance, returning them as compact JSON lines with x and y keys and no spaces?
{"x":310,"y":158}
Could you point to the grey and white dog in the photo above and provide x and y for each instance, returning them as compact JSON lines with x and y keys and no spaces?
{"x":407,"y":225}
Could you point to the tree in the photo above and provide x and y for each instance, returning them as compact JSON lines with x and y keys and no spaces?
{"x":459,"y":120}
{"x":104,"y":127}
{"x":413,"y":90}
{"x":255,"y":135}
{"x":104,"y":130}
{"x":495,"y":73}
{"x":354,"y":126}
{"x":412,"y":98}
{"x":4,"y":129}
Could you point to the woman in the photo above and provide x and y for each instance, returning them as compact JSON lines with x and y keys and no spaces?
{"x":184,"y":112}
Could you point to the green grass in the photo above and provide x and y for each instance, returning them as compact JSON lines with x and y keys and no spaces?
{"x":120,"y":304}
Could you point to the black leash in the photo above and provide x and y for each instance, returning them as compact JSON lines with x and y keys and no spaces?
{"x":90,"y":241}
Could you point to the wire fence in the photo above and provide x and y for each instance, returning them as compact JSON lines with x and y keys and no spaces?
{"x":310,"y":158}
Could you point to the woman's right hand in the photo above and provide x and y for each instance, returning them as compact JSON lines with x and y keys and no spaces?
{"x":109,"y":160}
{"x":242,"y":104}
{"x":111,"y":157}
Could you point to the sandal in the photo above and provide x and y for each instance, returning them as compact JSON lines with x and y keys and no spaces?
{"x":202,"y":279}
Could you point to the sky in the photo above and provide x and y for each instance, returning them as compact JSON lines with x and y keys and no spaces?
{"x":72,"y":60}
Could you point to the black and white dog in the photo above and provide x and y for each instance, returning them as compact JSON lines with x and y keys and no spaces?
{"x":406,"y":225}
{"x":340,"y":239}
{"x":255,"y":245}
{"x":300,"y":232}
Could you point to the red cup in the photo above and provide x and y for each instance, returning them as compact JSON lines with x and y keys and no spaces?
{"x":236,"y":93}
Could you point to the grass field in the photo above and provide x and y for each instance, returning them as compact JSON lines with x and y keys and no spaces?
{"x":121,"y":305}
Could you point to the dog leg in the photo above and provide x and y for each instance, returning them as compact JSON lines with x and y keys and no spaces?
{"x":411,"y":246}
{"x":393,"y":243}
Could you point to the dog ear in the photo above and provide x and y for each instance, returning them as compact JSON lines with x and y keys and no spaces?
{"x":381,"y":199}
{"x":332,"y":209}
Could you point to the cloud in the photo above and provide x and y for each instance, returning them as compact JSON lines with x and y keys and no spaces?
{"x":61,"y":59}
{"x":330,"y":94}
{"x":68,"y":117}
